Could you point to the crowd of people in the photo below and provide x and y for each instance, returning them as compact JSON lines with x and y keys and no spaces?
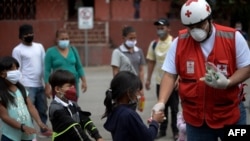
{"x":204,"y":68}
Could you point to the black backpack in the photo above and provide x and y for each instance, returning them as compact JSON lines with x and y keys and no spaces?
{"x":154,"y":44}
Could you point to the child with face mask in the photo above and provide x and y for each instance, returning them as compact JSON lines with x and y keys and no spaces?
{"x":68,"y":121}
{"x":123,"y":121}
{"x":17,"y":110}
{"x":128,"y":57}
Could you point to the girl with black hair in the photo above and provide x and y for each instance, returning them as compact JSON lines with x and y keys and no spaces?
{"x":129,"y":57}
{"x":16,"y":108}
{"x":123,"y":121}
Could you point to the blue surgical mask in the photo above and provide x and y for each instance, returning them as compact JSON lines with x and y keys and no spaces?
{"x":63,"y":44}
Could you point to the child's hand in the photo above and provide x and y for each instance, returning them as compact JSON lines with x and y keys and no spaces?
{"x":28,"y":130}
{"x":100,"y":139}
{"x":158,"y":116}
{"x":44,"y":127}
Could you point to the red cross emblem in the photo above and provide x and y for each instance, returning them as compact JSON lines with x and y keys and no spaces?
{"x":208,"y":8}
{"x":190,"y":1}
{"x":221,"y":67}
{"x":190,"y":67}
{"x":188,"y":13}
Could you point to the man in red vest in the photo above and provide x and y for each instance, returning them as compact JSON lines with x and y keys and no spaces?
{"x":211,"y":61}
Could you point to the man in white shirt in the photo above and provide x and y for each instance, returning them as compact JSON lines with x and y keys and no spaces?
{"x":30,"y":56}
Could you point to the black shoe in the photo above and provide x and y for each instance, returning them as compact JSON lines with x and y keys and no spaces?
{"x":161,"y":134}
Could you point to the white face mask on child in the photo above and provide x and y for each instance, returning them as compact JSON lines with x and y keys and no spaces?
{"x":130,"y":43}
{"x":13,"y":76}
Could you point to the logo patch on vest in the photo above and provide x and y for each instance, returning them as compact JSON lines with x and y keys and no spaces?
{"x":222,"y":68}
{"x":190,"y":67}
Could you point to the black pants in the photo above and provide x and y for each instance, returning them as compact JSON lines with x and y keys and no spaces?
{"x":173,"y":103}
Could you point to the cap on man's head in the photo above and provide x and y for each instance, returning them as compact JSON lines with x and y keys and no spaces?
{"x":162,"y":21}
{"x":25,"y":29}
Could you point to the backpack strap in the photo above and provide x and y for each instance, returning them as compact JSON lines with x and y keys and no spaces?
{"x":132,"y":69}
{"x":154,"y":44}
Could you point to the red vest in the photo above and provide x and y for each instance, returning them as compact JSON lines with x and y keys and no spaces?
{"x":200,"y":102}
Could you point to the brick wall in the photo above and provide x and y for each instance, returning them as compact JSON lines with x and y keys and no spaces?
{"x":105,"y":36}
{"x":94,"y":49}
{"x":97,"y":35}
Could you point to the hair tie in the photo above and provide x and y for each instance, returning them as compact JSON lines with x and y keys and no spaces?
{"x":109,"y":93}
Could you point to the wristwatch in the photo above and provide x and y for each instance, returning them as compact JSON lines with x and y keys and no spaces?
{"x":22,"y":127}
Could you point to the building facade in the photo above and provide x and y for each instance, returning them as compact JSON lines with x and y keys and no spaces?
{"x":110,"y":16}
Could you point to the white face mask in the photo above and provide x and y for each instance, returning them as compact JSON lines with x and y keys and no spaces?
{"x":130,"y":43}
{"x":198,"y":34}
{"x":13,"y":76}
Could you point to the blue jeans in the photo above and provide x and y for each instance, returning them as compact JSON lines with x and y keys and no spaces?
{"x":4,"y":138}
{"x":38,"y":98}
{"x":205,"y":133}
{"x":243,"y":115}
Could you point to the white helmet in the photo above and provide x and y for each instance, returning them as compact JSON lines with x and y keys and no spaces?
{"x":195,"y":11}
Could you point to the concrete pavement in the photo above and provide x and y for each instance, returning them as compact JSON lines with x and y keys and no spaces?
{"x":98,"y":79}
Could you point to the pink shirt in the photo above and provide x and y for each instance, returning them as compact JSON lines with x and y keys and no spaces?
{"x":181,"y":125}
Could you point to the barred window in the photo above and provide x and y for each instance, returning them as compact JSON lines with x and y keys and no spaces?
{"x":17,"y":9}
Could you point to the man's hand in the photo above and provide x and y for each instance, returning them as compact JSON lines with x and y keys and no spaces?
{"x":158,"y":107}
{"x":214,"y":77}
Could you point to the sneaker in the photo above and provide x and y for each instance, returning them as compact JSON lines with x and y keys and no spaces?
{"x":45,"y":134}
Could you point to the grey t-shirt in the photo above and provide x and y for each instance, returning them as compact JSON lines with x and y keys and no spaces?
{"x":127,"y":61}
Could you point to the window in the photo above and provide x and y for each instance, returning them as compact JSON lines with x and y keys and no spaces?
{"x":17,"y":9}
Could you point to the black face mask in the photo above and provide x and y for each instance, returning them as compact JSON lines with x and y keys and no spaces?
{"x":28,"y":39}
